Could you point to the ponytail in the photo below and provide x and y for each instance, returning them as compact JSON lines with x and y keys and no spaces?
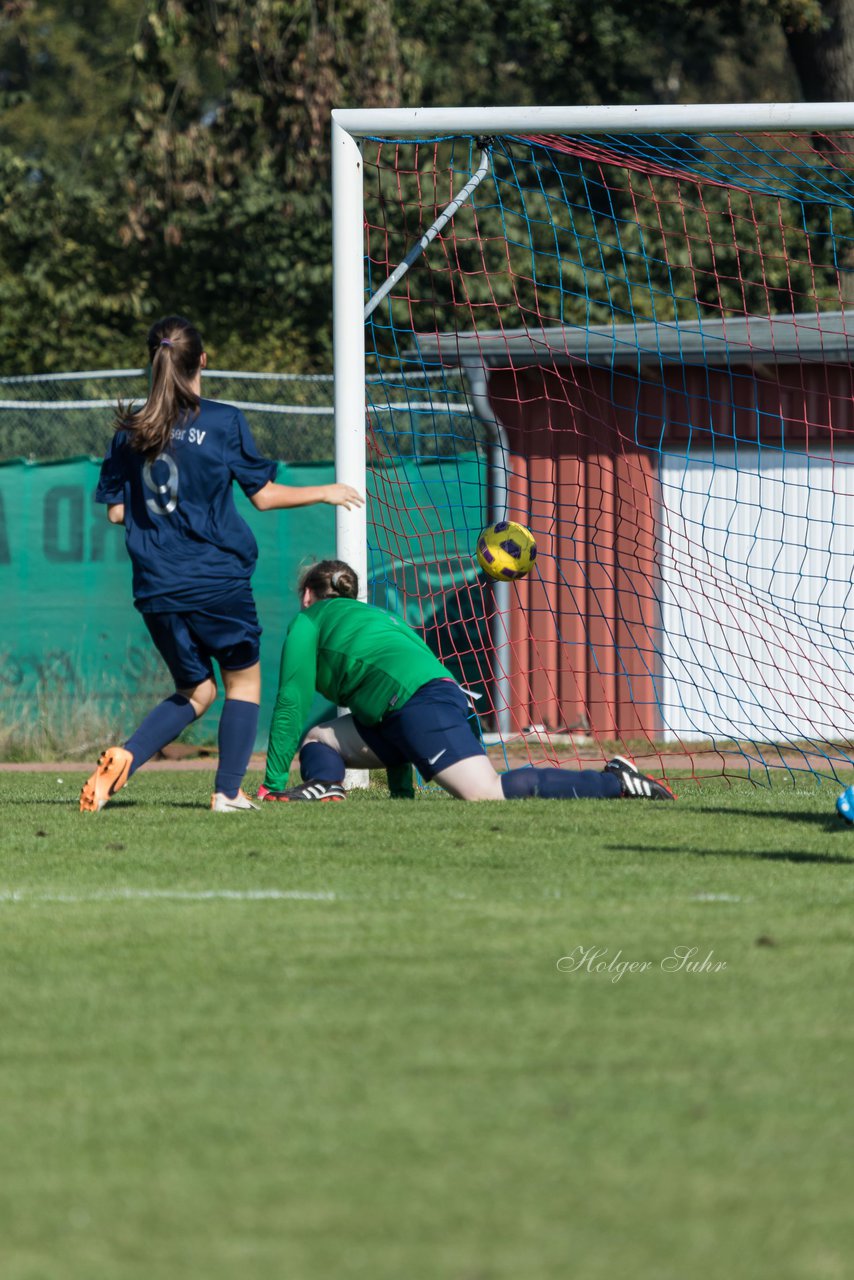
{"x":175,"y":349}
{"x":330,"y":578}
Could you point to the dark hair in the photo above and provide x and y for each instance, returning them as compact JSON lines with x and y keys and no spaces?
{"x":175,"y":349}
{"x":330,"y":578}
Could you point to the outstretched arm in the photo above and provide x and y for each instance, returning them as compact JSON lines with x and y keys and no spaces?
{"x":275,"y":496}
{"x":297,"y":676}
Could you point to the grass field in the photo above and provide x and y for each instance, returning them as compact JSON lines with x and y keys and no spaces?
{"x":334,"y":1041}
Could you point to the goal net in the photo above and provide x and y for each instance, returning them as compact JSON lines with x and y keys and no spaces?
{"x":635,"y":343}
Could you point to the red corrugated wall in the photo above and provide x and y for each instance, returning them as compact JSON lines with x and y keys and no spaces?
{"x":584,"y":474}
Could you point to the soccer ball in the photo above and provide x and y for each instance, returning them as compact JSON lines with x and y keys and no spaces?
{"x":506,"y":550}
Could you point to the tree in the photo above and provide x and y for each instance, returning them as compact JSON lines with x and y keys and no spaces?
{"x":820,"y":36}
{"x":70,"y":295}
{"x":187,"y":144}
{"x":63,"y":76}
{"x":226,"y":159}
{"x":568,"y":51}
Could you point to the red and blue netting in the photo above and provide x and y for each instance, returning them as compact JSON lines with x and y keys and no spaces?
{"x":637,"y":347}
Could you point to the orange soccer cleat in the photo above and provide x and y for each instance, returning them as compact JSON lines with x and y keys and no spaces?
{"x":110,"y":776}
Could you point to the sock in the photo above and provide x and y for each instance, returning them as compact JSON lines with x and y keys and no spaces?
{"x":560,"y":784}
{"x":319,"y":763}
{"x":238,"y":726}
{"x":160,"y":727}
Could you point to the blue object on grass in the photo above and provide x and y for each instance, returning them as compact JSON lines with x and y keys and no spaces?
{"x":845,"y":805}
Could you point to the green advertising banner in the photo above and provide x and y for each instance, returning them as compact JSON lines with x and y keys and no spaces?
{"x":76,"y":661}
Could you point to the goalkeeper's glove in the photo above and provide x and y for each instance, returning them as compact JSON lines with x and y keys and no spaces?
{"x":400,"y":782}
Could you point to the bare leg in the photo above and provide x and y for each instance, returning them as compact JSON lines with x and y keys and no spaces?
{"x":343,"y":736}
{"x":244,"y":686}
{"x":200,"y":696}
{"x":472,"y":779}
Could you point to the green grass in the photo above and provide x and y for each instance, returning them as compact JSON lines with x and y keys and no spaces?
{"x":398,"y":1081}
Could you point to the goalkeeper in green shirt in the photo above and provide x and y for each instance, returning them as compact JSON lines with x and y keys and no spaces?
{"x":405,"y":709}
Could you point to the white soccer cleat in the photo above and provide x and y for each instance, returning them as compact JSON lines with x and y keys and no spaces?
{"x":231,"y":804}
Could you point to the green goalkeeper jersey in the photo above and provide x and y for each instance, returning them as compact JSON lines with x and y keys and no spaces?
{"x":355,"y":655}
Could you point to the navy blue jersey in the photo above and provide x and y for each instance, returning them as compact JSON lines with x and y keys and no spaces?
{"x":185,"y":539}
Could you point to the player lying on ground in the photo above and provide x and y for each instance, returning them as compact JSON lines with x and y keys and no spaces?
{"x":407,"y":709}
{"x":168,"y":478}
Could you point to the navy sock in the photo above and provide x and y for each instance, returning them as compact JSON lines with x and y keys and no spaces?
{"x":319,"y":763}
{"x":160,"y":727}
{"x":560,"y":784}
{"x":238,"y":726}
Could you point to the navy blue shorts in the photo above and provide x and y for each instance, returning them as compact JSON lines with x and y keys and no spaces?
{"x":432,"y":730}
{"x":227,"y":631}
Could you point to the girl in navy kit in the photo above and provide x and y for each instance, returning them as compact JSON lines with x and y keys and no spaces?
{"x":167,"y":478}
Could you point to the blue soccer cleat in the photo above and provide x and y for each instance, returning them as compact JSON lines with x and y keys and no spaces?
{"x":845,"y":805}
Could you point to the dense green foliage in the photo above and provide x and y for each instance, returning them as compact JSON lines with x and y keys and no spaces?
{"x":551,"y":239}
{"x":175,"y":155}
{"x":209,"y":1072}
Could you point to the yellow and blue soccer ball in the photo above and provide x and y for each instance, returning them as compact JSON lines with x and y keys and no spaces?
{"x":506,"y":550}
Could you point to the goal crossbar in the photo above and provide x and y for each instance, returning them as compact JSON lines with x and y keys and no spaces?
{"x":744,"y":117}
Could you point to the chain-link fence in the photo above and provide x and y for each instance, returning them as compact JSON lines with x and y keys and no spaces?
{"x":63,"y":415}
{"x":44,"y":417}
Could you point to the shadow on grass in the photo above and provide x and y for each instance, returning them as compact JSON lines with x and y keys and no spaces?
{"x":763,"y":855}
{"x":829,"y":821}
{"x":115,"y":806}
